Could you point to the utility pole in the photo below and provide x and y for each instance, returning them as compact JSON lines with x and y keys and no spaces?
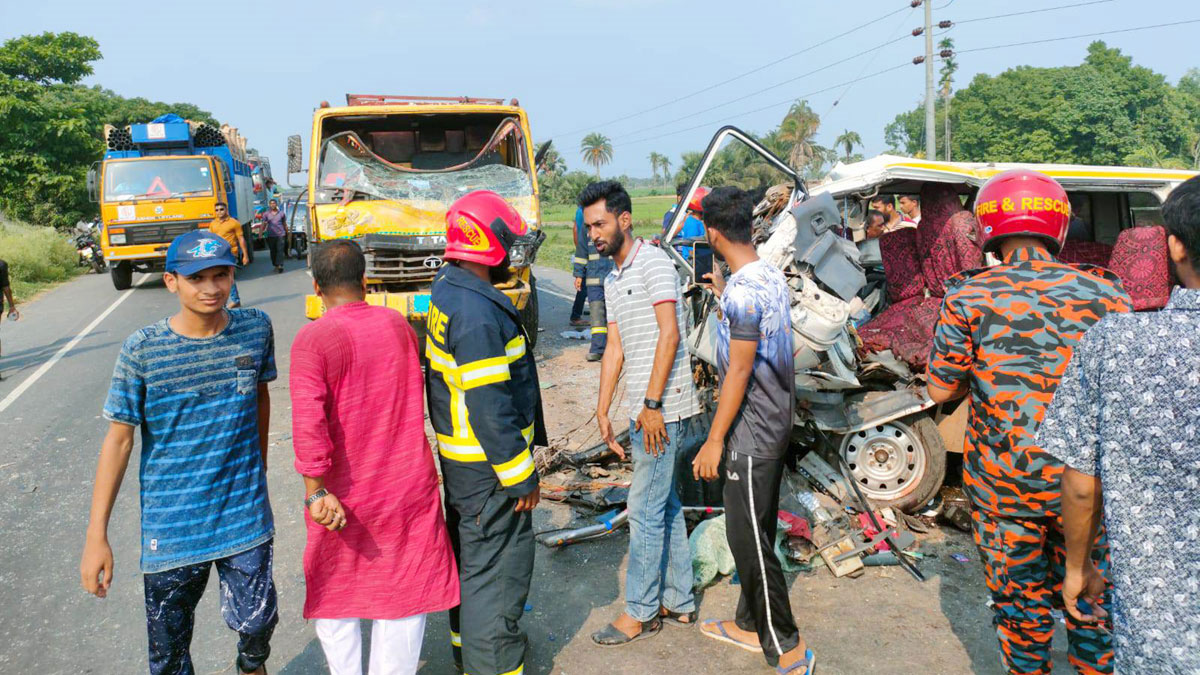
{"x":930,"y":119}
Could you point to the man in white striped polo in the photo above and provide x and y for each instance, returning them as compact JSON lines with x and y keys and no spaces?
{"x":645,"y":322}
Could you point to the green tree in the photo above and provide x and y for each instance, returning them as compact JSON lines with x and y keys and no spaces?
{"x":847,"y":141}
{"x":797,"y":131}
{"x":553,"y":163}
{"x":596,"y":150}
{"x":945,"y":88}
{"x":655,"y":162}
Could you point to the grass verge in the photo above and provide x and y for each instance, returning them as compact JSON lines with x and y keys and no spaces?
{"x":37,"y":257}
{"x":648,"y":208}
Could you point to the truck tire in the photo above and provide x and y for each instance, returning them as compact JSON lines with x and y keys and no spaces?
{"x":249,"y":237}
{"x":900,"y":464}
{"x":122,"y":275}
{"x":529,"y":315}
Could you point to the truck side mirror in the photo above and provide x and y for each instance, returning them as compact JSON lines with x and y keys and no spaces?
{"x":294,"y":149}
{"x":540,"y":155}
{"x":93,"y":182}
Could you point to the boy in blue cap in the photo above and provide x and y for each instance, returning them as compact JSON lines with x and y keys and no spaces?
{"x":196,"y":385}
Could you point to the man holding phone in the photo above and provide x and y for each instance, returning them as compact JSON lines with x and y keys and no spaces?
{"x":646,"y":321}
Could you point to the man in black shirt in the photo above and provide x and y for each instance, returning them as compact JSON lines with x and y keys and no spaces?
{"x":13,"y":314}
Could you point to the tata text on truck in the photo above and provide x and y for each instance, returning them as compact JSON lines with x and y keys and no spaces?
{"x":161,"y":179}
{"x":865,"y":410}
{"x":383,"y":171}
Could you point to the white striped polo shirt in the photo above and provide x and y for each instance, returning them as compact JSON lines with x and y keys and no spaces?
{"x":631,"y":291}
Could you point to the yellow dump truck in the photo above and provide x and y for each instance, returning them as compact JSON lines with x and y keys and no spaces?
{"x":383,"y":171}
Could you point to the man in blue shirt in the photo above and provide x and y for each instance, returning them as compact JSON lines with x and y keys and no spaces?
{"x":196,"y":385}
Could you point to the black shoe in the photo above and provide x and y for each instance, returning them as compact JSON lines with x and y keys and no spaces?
{"x":593,"y":357}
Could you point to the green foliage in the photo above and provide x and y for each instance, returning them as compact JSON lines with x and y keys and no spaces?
{"x":53,"y":127}
{"x":1105,"y":111}
{"x":596,"y":150}
{"x":36,"y":257}
{"x":563,"y":188}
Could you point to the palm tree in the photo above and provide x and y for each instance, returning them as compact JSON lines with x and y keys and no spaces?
{"x":553,"y":163}
{"x":796,"y":132}
{"x":847,"y":141}
{"x":655,"y":162}
{"x":665,"y":163}
{"x":596,"y":150}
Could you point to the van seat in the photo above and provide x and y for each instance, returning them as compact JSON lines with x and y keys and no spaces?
{"x":1076,"y":252}
{"x":1140,"y":258}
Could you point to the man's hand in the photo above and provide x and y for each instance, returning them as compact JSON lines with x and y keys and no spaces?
{"x":96,"y":567}
{"x":245,"y":259}
{"x":606,"y":435}
{"x":328,"y":513}
{"x":716,"y":280}
{"x":529,"y":501}
{"x":1086,"y":586}
{"x":654,"y":431}
{"x":14,"y":315}
{"x":708,"y":460}
{"x":578,"y":284}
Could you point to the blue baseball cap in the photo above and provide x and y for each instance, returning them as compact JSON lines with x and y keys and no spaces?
{"x":198,"y":250}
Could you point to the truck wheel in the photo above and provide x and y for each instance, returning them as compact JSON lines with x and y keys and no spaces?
{"x":529,"y":315}
{"x":122,"y":275}
{"x":900,"y":464}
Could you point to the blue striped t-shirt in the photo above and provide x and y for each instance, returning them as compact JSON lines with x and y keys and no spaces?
{"x":203,"y":487}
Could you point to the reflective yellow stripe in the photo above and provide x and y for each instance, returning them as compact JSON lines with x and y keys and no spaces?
{"x":515,"y":349}
{"x":515,"y":470}
{"x":520,"y":670}
{"x":580,"y":261}
{"x":593,"y":256}
{"x":596,"y":330}
{"x":455,"y":639}
{"x":458,"y":450}
{"x":484,"y":371}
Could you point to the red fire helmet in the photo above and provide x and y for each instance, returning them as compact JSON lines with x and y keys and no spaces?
{"x":697,"y":203}
{"x":1023,"y":203}
{"x":480,"y":228}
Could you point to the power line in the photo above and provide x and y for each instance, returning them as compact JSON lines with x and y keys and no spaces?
{"x":1033,"y":11}
{"x":1076,"y":37}
{"x":786,"y":102}
{"x":736,"y":77}
{"x":862,"y":70}
{"x":761,"y":91}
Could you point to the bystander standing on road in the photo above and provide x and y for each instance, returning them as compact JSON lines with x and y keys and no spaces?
{"x":277,"y":232}
{"x":485,"y":407}
{"x":646,"y":323}
{"x":1126,"y":421}
{"x":7,"y":295}
{"x":753,"y":421}
{"x":196,"y":385}
{"x":590,"y":269}
{"x":1004,"y":336}
{"x":578,"y":231}
{"x":377,"y":543}
{"x":230,"y":230}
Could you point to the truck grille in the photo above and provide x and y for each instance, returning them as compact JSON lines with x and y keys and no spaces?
{"x":157,"y":233}
{"x":402,"y":260}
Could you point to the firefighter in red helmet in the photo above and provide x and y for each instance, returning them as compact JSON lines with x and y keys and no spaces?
{"x":1003,"y":338}
{"x":486,"y":410}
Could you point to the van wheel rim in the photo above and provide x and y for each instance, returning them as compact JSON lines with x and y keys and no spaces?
{"x":887,"y":460}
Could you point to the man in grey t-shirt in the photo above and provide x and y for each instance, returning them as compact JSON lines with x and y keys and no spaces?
{"x":645,"y":325}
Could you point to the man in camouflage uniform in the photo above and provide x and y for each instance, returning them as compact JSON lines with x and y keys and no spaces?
{"x":1004,"y":337}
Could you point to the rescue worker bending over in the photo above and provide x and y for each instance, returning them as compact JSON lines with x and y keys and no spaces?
{"x":1004,"y":337}
{"x":485,"y":407}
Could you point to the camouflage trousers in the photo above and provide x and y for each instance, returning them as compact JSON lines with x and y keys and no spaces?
{"x":1024,"y":561}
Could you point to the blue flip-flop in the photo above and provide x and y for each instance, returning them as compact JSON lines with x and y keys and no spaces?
{"x":808,"y":663}
{"x":726,"y":637}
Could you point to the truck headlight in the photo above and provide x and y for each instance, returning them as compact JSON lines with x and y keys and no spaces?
{"x":524,"y":250}
{"x":116,"y":239}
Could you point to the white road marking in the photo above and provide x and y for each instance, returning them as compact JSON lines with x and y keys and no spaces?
{"x":37,"y":374}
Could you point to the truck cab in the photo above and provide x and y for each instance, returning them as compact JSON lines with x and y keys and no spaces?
{"x":383,"y":171}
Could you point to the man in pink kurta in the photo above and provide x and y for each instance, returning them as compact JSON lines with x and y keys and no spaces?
{"x":377,"y":547}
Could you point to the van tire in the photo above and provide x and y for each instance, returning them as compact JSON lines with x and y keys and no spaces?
{"x":122,"y":275}
{"x":912,"y":441}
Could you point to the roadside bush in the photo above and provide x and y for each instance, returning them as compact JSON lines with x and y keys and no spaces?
{"x":36,"y":257}
{"x":563,"y":189}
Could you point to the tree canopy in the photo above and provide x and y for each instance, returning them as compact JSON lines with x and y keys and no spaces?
{"x":53,"y":126}
{"x":1105,"y":111}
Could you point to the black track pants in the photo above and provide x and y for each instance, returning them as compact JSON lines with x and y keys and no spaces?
{"x":751,"y":517}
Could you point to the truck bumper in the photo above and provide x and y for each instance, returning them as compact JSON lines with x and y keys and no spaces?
{"x":414,"y":306}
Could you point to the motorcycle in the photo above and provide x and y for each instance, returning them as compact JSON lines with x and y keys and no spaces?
{"x":87,"y":248}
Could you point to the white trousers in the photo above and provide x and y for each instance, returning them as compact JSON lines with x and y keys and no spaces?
{"x":395,"y":645}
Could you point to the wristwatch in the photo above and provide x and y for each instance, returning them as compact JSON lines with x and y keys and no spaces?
{"x":651,"y":404}
{"x":314,"y":497}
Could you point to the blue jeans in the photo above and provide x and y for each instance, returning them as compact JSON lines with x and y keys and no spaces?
{"x":660,"y":563}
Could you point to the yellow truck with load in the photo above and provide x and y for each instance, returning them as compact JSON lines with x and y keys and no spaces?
{"x":383,"y":171}
{"x":161,"y":179}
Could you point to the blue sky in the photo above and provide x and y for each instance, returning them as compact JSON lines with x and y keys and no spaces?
{"x":576,"y":64}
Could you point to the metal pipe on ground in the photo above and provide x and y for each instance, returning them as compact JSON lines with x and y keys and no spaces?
{"x":558,"y":538}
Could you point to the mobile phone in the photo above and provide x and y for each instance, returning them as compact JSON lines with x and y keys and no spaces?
{"x":702,"y":262}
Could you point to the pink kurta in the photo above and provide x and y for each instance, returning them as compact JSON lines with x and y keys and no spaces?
{"x":358,"y":407}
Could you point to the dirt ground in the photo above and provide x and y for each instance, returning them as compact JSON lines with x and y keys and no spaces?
{"x":883,"y":622}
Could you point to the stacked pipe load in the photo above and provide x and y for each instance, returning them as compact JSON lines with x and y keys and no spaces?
{"x":207,"y":136}
{"x":118,"y":138}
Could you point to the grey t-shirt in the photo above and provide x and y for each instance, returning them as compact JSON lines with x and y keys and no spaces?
{"x":631,"y":292}
{"x":755,"y":306}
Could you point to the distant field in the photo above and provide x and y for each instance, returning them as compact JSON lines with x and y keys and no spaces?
{"x":645,"y":208}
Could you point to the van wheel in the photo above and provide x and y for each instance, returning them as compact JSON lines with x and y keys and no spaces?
{"x":122,"y":275}
{"x":529,"y":315}
{"x":900,"y":464}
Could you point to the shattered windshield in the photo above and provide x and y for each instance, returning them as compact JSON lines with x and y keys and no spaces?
{"x":157,"y":179}
{"x":347,"y":165}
